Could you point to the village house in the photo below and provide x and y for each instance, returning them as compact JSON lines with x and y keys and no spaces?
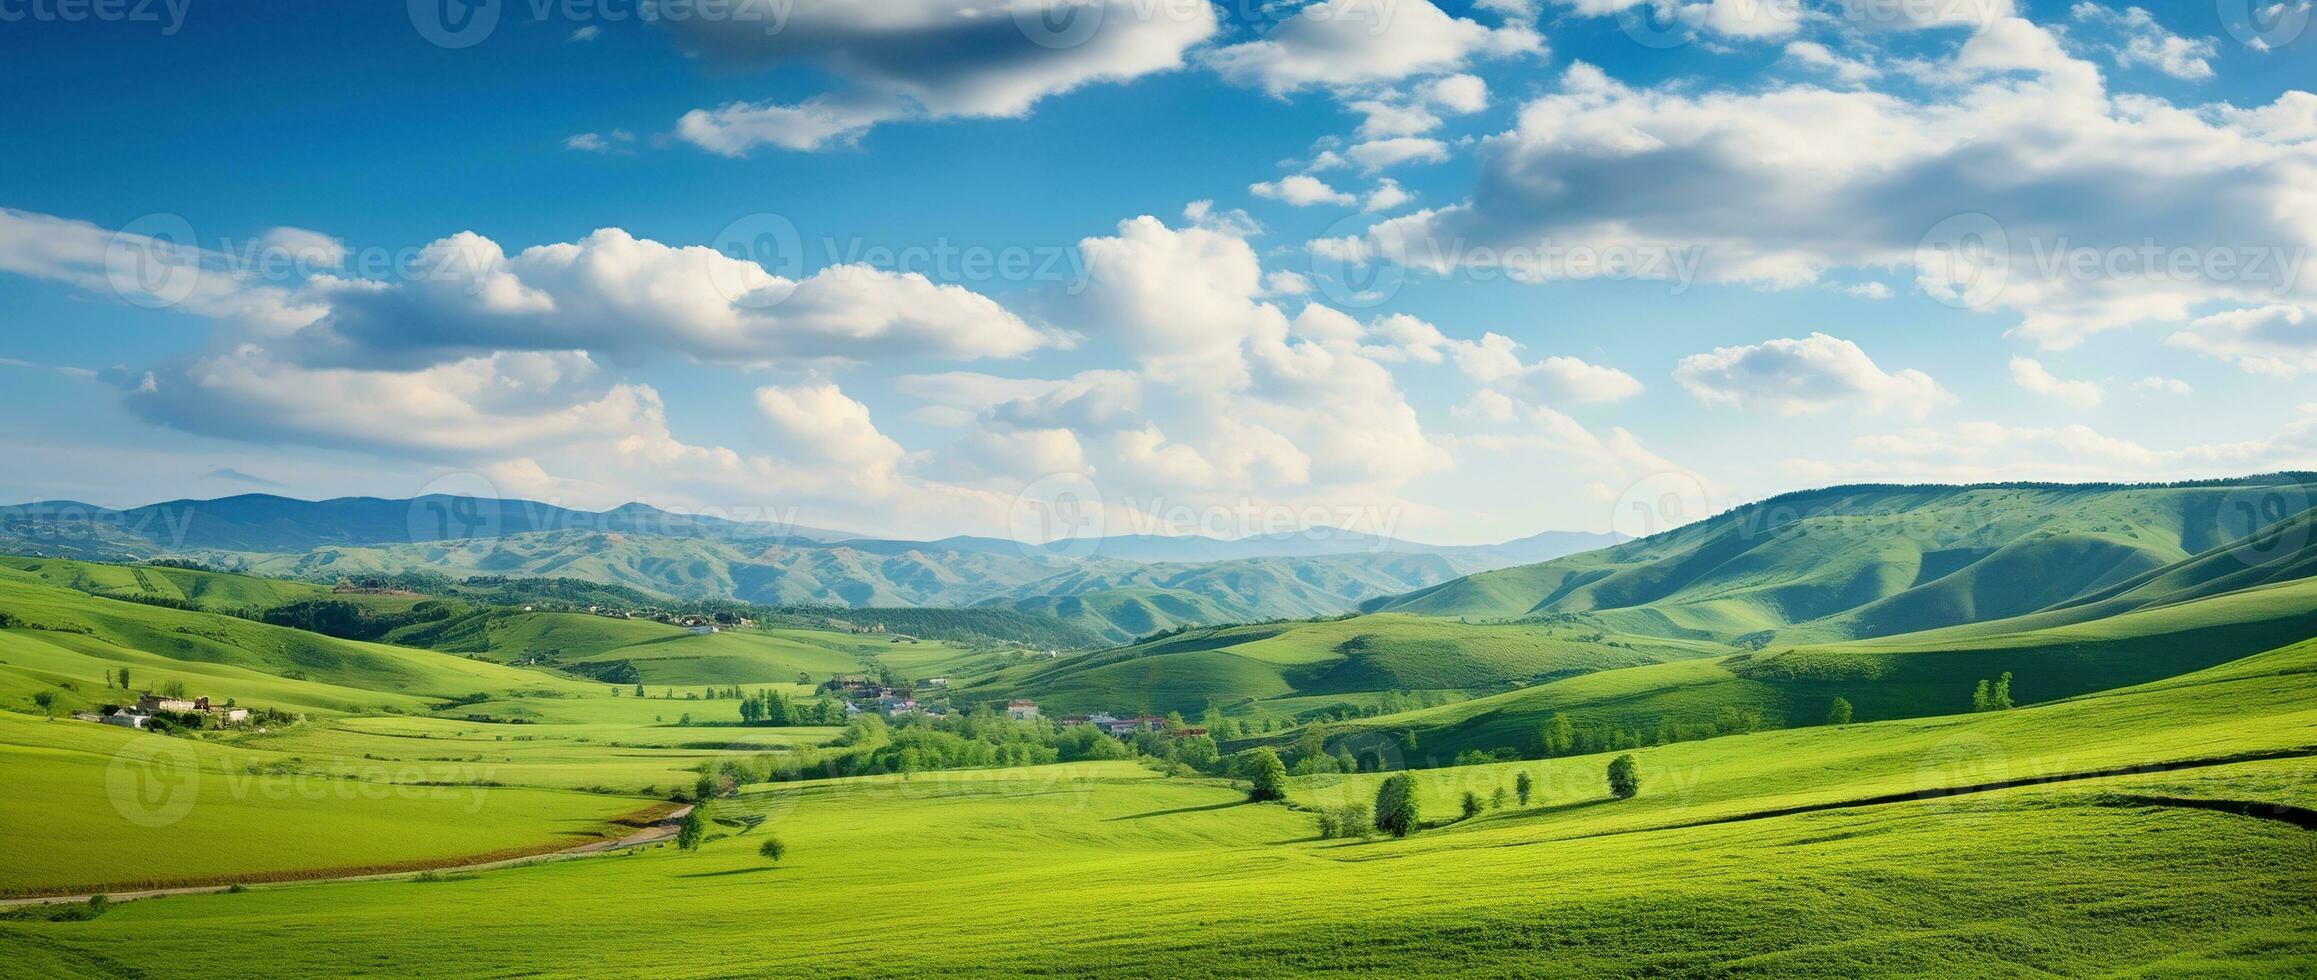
{"x":151,"y":704}
{"x":1020,"y":710}
{"x":127,"y":719}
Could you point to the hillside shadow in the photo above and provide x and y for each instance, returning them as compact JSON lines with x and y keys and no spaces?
{"x":1180,"y":809}
{"x":728,"y":872}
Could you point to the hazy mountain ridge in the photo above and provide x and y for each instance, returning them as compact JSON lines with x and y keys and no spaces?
{"x":1119,"y":587}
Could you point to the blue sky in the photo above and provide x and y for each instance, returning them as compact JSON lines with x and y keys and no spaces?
{"x":1223,"y":269}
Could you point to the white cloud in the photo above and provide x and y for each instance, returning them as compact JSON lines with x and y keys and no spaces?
{"x":1385,"y":196}
{"x":1987,"y":451}
{"x":1340,"y":43}
{"x":2144,"y":42}
{"x":903,"y":59}
{"x":2163,"y":385}
{"x":1494,"y":361}
{"x":821,"y":423}
{"x":1850,"y":71}
{"x":1775,"y":188}
{"x":599,"y":142}
{"x":1300,"y":190}
{"x":2031,"y":376}
{"x":1374,"y":155}
{"x":2274,"y":340}
{"x":1869,"y":290}
{"x":1813,"y":374}
{"x":615,"y":293}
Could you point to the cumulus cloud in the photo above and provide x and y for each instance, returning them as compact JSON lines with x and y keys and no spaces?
{"x":2141,"y":41}
{"x":1374,"y":155}
{"x":1494,"y":361}
{"x":2274,"y":340}
{"x":2065,"y":184}
{"x":614,"y":293}
{"x":1343,"y":43}
{"x":1812,"y":374}
{"x":904,"y":59}
{"x":1300,"y":190}
{"x":1984,"y":451}
{"x":2031,"y":376}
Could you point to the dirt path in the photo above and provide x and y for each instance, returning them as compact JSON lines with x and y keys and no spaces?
{"x":664,"y":829}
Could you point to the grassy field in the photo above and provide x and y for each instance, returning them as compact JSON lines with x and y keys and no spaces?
{"x":1243,"y":667}
{"x":91,"y":805}
{"x":2152,"y":820}
{"x":1087,"y":868}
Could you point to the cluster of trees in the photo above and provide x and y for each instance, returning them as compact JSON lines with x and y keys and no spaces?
{"x":1992,"y":697}
{"x":981,"y":738}
{"x":356,"y":621}
{"x":774,"y":708}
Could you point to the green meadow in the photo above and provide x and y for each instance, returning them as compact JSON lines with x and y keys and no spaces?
{"x":2141,"y":799}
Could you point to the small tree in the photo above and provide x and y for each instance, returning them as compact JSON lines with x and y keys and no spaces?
{"x":1980,"y":697}
{"x":1496,"y":799}
{"x":1624,"y":777}
{"x":1471,"y":804}
{"x":124,"y":678}
{"x":1267,"y":776}
{"x":2000,"y":699}
{"x":772,"y":849}
{"x":45,"y":701}
{"x":1396,"y":812}
{"x":1560,"y":735}
{"x":1838,"y":713}
{"x":1522,"y":786}
{"x":694,"y":829}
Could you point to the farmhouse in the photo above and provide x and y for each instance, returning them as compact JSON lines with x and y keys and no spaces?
{"x":1021,"y":710}
{"x":127,"y":719}
{"x":152,"y":704}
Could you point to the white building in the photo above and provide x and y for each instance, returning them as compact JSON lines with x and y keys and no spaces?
{"x":1022,"y":710}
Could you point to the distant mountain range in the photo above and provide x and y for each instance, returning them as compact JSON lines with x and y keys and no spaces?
{"x":1120,"y":587}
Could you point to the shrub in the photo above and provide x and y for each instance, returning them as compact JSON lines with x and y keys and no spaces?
{"x":1471,"y":804}
{"x":1396,"y":812}
{"x":1522,"y":786}
{"x":1838,"y":713}
{"x":772,"y":849}
{"x":1624,"y":777}
{"x":1346,"y":820}
{"x":1266,"y":776}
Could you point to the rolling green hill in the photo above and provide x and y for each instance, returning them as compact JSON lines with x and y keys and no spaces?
{"x":1865,"y":561}
{"x":1250,"y":669}
{"x":1123,"y":602}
